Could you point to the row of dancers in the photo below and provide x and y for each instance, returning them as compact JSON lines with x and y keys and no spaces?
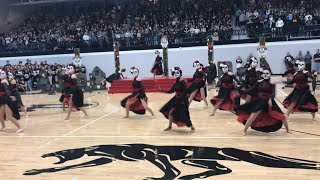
{"x":260,"y":110}
{"x":11,"y":102}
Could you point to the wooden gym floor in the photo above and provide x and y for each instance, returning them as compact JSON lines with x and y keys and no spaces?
{"x":46,"y":131}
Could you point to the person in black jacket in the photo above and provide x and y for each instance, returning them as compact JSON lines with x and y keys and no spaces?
{"x":211,"y":75}
{"x":115,"y":76}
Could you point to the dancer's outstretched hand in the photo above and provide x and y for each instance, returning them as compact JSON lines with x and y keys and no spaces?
{"x":270,"y":103}
{"x":13,"y":98}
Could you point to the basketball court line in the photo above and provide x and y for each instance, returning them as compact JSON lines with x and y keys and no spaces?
{"x":178,"y":137}
{"x":57,"y":138}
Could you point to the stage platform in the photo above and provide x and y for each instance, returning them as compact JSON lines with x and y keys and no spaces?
{"x":150,"y":84}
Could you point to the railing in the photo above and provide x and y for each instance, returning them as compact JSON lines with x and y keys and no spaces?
{"x":34,"y":2}
{"x":175,"y":40}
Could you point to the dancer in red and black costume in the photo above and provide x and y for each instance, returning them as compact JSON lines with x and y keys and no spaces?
{"x":14,"y":92}
{"x":7,"y":104}
{"x":198,"y":90}
{"x":301,"y":99}
{"x":177,"y":109}
{"x":137,"y":102}
{"x":157,"y":66}
{"x":74,"y":93}
{"x":66,"y":85}
{"x":262,"y":113}
{"x":290,"y":63}
{"x":252,"y":75}
{"x":228,"y":98}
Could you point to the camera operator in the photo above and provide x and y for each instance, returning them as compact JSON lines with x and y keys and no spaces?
{"x":116,"y":75}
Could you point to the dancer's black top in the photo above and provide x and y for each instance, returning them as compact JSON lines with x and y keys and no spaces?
{"x":4,"y":94}
{"x":179,"y":87}
{"x":5,"y":98}
{"x":227,"y":80}
{"x":13,"y":88}
{"x":198,"y":76}
{"x":158,"y":60}
{"x":72,"y":84}
{"x":138,"y":88}
{"x":264,"y":89}
{"x":301,"y":80}
{"x":251,"y":77}
{"x":212,"y":73}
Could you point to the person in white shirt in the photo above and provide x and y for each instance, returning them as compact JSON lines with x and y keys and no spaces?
{"x":203,"y":29}
{"x":242,"y":19}
{"x":196,"y":30}
{"x":308,"y":17}
{"x":86,"y":38}
{"x":8,"y":40}
{"x":127,"y":35}
{"x":117,"y":35}
{"x":192,"y":30}
{"x":256,"y":14}
{"x":279,"y":26}
{"x":271,"y":21}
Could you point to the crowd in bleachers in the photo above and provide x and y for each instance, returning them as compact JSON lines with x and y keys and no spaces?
{"x":143,"y":22}
{"x":268,"y":12}
{"x":280,"y":16}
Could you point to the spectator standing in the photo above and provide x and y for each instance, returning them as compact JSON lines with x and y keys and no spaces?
{"x":300,"y":56}
{"x":307,"y":60}
{"x":271,"y":22}
{"x":86,"y":38}
{"x":316,"y":60}
{"x":26,"y":78}
{"x":242,"y":19}
{"x":7,"y":64}
{"x":279,"y":26}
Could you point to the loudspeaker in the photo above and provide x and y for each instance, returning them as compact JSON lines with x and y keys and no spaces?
{"x":82,"y":79}
{"x":43,"y":81}
{"x":98,"y":74}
